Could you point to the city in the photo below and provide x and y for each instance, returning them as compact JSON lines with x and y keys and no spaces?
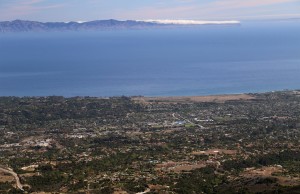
{"x":244,"y":143}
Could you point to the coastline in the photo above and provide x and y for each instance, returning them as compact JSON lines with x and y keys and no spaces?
{"x":206,"y":98}
{"x":220,"y":98}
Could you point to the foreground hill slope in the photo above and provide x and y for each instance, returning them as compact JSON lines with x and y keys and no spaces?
{"x":215,"y":144}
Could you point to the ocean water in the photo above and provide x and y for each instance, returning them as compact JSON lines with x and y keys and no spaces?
{"x":252,"y":57}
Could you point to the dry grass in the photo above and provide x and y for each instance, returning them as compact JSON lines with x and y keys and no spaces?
{"x":25,"y":175}
{"x":269,"y":172}
{"x":179,"y":167}
{"x":119,"y":191}
{"x":6,"y":178}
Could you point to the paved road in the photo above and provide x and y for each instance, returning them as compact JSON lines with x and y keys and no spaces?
{"x":15,"y":175}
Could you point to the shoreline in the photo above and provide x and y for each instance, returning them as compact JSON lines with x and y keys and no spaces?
{"x":235,"y":96}
{"x":208,"y":98}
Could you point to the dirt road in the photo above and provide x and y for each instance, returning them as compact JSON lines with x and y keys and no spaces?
{"x":15,"y":175}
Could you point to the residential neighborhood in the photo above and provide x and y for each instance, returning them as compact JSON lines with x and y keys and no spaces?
{"x":247,"y":143}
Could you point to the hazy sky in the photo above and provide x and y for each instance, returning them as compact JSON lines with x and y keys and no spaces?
{"x":86,"y":10}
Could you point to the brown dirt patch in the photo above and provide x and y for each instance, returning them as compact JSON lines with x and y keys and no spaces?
{"x":157,"y":187}
{"x":178,"y":167}
{"x":28,"y":175}
{"x":268,"y":171}
{"x":264,"y":171}
{"x":4,"y":177}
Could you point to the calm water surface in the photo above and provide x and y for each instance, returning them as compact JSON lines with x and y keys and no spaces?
{"x":253,"y":57}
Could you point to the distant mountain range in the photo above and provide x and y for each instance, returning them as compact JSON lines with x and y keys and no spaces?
{"x":34,"y":26}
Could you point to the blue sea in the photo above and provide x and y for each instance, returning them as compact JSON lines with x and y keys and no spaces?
{"x":251,"y":57}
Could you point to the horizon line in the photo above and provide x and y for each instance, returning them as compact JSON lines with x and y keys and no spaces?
{"x":156,"y":20}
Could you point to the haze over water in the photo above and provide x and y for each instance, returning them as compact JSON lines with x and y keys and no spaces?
{"x":253,"y":57}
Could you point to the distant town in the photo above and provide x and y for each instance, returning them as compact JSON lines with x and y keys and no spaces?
{"x":243,"y":143}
